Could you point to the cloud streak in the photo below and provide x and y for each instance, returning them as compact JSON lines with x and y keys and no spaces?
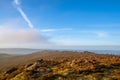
{"x":17,"y":3}
{"x":56,"y":30}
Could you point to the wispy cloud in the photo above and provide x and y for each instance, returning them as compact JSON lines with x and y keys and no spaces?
{"x":54,"y":30}
{"x":102,"y":34}
{"x":17,"y":3}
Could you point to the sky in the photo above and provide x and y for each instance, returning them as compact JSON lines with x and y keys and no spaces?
{"x":59,"y":23}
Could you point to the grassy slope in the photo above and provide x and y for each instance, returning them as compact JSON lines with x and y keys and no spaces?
{"x":64,"y":65}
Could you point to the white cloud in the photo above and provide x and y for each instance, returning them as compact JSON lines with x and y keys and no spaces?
{"x":17,"y":3}
{"x":13,"y":35}
{"x":54,"y":30}
{"x":21,"y":36}
{"x":102,"y":34}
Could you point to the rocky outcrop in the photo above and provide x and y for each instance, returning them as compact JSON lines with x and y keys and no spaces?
{"x":86,"y":66}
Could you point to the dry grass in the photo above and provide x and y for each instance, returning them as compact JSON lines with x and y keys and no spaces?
{"x":55,"y":65}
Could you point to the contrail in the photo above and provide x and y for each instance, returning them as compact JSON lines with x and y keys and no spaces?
{"x":17,"y":3}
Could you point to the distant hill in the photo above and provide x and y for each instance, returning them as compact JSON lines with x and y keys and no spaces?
{"x":17,"y":50}
{"x":2,"y":55}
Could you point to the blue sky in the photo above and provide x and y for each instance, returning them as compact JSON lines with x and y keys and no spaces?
{"x":59,"y":23}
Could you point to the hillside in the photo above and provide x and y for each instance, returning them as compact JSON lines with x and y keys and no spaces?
{"x":64,"y":65}
{"x":18,"y":50}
